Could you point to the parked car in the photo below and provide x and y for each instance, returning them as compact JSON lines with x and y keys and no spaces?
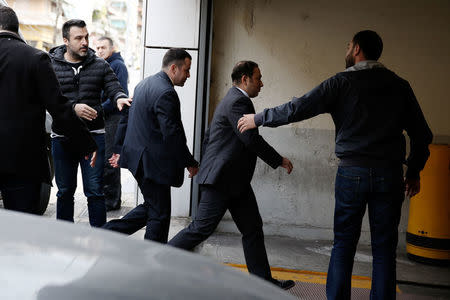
{"x":49,"y":259}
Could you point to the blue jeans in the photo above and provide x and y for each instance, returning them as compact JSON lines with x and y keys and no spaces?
{"x":66,"y":168}
{"x":382,"y":190}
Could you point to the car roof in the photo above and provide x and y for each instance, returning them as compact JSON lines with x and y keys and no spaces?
{"x":49,"y":259}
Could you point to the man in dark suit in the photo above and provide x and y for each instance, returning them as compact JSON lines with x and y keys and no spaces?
{"x":28,"y":87}
{"x":227,"y":167}
{"x":154,"y":147}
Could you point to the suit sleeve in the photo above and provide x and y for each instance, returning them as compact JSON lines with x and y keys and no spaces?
{"x":318,"y":101}
{"x":420,"y":136}
{"x":205,"y":140}
{"x":251,"y":138}
{"x":167,"y":109}
{"x":121,"y":130}
{"x":61,"y":109}
{"x":111,"y":85}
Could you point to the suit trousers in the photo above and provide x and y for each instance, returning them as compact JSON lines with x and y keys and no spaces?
{"x":112,"y":188}
{"x":244,"y":211}
{"x":153,"y":213}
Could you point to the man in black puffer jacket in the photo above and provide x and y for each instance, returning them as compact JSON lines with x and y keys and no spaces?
{"x":82,"y":77}
{"x":28,"y":88}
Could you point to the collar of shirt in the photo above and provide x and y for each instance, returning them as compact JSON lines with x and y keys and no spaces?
{"x":366,"y":64}
{"x":243,"y":92}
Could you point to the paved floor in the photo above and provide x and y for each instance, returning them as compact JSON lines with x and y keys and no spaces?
{"x":305,"y":261}
{"x":311,"y":285}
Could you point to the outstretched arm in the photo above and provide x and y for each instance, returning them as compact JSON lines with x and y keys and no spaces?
{"x":113,"y":89}
{"x":319,"y":100}
{"x":252,"y":139}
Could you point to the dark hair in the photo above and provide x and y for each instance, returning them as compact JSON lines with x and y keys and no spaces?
{"x":175,"y":55}
{"x":245,"y":67}
{"x":74,"y":22}
{"x":105,"y":38}
{"x":8,"y":19}
{"x":370,"y":43}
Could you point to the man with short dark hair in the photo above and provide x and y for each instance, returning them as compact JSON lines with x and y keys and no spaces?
{"x":152,"y":145}
{"x":227,"y":168}
{"x":82,"y":76}
{"x":28,"y":86}
{"x":370,"y":106}
{"x":111,"y":177}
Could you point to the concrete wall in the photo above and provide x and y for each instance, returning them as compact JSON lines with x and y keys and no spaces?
{"x":298,"y":44}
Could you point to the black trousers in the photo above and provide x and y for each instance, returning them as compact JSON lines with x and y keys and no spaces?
{"x":20,"y":193}
{"x":112,"y":188}
{"x":244,"y":210}
{"x":153,"y":213}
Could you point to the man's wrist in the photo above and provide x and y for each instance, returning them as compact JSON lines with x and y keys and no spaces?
{"x":258,"y":119}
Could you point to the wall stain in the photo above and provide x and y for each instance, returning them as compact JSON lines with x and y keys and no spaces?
{"x":304,"y":16}
{"x":249,"y":17}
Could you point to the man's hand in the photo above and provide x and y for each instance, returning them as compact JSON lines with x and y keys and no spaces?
{"x":286,"y":163}
{"x":85,"y":111}
{"x":123,"y":101}
{"x":246,"y":122}
{"x":192,"y":171}
{"x":114,"y":160}
{"x":412,"y":187}
{"x":93,"y":158}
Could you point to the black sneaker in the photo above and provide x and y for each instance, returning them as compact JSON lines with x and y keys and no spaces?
{"x":284,"y":284}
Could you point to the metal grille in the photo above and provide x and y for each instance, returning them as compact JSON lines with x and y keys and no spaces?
{"x":316,"y":291}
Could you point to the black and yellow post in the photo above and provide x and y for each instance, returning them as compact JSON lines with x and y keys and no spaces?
{"x":428,"y":234}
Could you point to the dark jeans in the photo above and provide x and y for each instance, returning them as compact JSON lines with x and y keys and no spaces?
{"x":66,"y":168}
{"x":153,"y":213}
{"x":20,"y":193}
{"x":112,"y":188}
{"x":382,"y":190}
{"x":244,"y":210}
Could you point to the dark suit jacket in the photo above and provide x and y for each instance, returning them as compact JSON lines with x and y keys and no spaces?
{"x":229,"y":157}
{"x":28,"y":86}
{"x":151,"y":133}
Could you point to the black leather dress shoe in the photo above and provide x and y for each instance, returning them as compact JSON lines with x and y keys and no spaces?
{"x":284,"y":284}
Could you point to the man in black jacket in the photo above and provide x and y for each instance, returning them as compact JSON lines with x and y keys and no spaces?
{"x":227,"y":168}
{"x":82,"y":77}
{"x":370,"y":107}
{"x":154,"y":147}
{"x":111,"y":177}
{"x":28,"y":87}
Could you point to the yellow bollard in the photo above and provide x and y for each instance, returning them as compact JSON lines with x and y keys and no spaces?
{"x":428,"y":234}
